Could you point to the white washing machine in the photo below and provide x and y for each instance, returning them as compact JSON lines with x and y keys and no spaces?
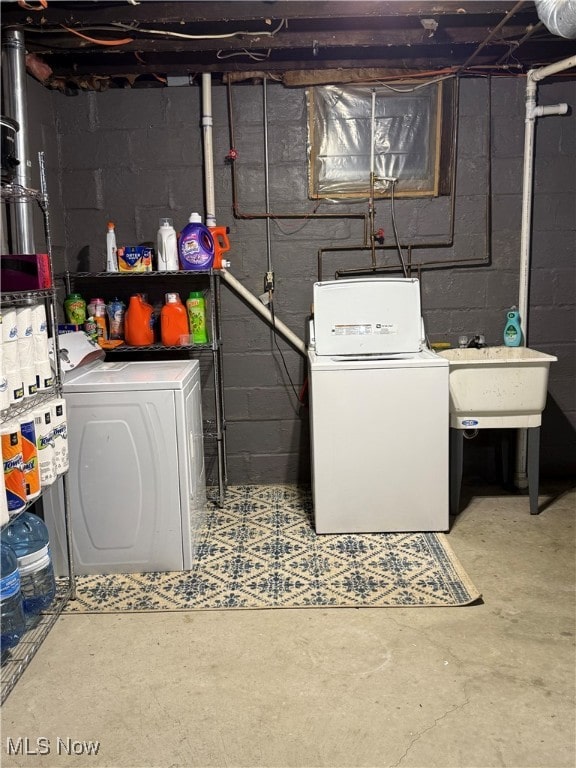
{"x":136,"y":481}
{"x":379,"y":410}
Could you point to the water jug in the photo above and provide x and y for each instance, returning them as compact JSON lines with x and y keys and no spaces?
{"x":27,"y":536}
{"x":138,"y":322}
{"x":196,"y":245}
{"x":12,"y":622}
{"x":173,"y":321}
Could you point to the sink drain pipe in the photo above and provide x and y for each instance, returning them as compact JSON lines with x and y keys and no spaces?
{"x":533,"y":111}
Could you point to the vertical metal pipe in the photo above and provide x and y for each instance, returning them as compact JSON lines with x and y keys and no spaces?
{"x":14,"y":90}
{"x":266,"y":177}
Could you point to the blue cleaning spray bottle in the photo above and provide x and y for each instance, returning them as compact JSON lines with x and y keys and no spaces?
{"x":512,"y":329}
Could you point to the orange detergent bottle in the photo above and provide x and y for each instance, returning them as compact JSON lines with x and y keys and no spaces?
{"x":138,"y":322}
{"x":221,"y":245}
{"x":173,"y":321}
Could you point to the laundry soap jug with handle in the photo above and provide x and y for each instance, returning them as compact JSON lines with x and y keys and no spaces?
{"x":196,"y":245}
{"x":138,"y":322}
{"x":221,"y":245}
{"x":174,"y":321}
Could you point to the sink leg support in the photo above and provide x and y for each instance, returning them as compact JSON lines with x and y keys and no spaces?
{"x":533,"y":467}
{"x":456,"y":463}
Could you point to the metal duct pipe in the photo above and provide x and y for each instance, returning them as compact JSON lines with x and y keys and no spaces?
{"x":558,"y":16}
{"x":14,"y":85}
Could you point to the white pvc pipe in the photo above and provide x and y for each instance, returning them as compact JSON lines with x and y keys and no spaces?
{"x":257,"y":305}
{"x":208,"y":149}
{"x":532,"y":112}
{"x":552,"y":69}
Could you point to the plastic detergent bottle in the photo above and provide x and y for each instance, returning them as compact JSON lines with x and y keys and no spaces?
{"x":111,"y":250}
{"x":167,"y":247}
{"x":12,"y":622}
{"x":75,"y":308}
{"x":27,"y":536}
{"x":173,"y":321}
{"x":512,"y":329}
{"x":221,"y":245}
{"x":138,"y":322}
{"x":196,"y":245}
{"x":196,"y":306}
{"x":116,"y":311}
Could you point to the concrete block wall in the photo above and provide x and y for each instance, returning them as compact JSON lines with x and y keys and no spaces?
{"x":136,"y":155}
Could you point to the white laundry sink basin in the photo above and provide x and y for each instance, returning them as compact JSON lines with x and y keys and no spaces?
{"x":497,"y":386}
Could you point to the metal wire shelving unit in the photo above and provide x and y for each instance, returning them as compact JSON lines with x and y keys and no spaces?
{"x":213,"y":429}
{"x":14,"y":661}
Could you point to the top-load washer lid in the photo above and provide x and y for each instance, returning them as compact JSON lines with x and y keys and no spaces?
{"x":367,"y":316}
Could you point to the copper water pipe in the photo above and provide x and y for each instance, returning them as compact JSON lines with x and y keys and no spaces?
{"x":485,"y":260}
{"x":236,"y":208}
{"x":495,"y":31}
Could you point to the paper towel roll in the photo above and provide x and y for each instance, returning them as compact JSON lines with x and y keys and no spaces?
{"x":13,"y":467}
{"x":44,"y":375}
{"x":15,"y":385}
{"x":4,"y":396}
{"x":26,"y":351}
{"x":30,"y":457}
{"x":9,"y":327}
{"x":39,"y":323}
{"x":45,"y":445}
{"x":4,"y":516}
{"x":60,"y":434}
{"x":24,"y":321}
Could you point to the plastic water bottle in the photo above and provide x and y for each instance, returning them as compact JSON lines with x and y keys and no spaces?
{"x":27,"y":536}
{"x":12,"y":622}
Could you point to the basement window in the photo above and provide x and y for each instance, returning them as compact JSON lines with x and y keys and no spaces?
{"x":398,"y":133}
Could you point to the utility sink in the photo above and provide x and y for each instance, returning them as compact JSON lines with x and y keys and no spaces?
{"x":497,"y":386}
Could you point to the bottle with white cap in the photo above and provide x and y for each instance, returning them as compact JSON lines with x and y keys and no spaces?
{"x":167,"y":247}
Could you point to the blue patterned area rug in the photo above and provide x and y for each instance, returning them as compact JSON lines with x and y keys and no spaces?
{"x":261,"y":551}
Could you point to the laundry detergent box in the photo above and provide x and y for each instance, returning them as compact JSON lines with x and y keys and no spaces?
{"x":135,"y":258}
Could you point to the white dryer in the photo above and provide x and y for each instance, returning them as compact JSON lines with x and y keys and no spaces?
{"x":136,"y":481}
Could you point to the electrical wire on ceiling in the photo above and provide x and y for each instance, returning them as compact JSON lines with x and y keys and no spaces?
{"x":254,"y":55}
{"x":186,"y":36}
{"x":123,"y":41}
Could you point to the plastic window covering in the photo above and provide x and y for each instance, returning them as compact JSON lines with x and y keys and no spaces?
{"x":406,"y":134}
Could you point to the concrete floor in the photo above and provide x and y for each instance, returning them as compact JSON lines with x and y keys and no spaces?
{"x":486,"y":685}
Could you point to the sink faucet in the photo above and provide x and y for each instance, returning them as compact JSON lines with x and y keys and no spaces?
{"x":477,"y":341}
